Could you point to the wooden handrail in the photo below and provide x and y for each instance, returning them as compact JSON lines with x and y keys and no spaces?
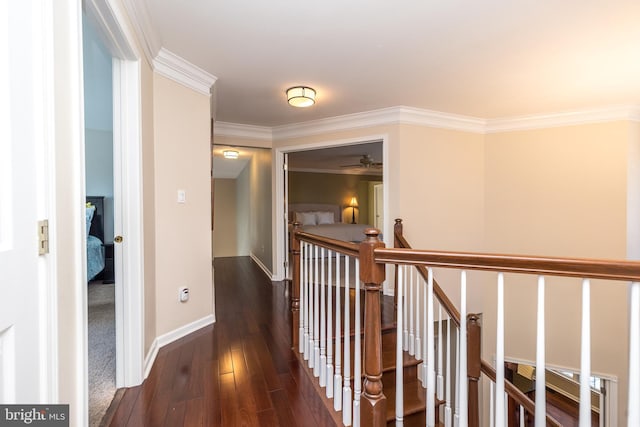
{"x":345,"y":248}
{"x":569,"y":267}
{"x":473,"y":261}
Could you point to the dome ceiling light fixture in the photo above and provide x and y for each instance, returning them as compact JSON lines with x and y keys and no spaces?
{"x":230,"y":154}
{"x":301,"y":96}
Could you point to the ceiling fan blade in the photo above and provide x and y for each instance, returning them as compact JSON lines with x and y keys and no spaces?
{"x":351,"y":166}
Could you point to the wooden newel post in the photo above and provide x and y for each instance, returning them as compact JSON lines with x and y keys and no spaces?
{"x":397,"y":231}
{"x":473,"y":367}
{"x":295,"y":286}
{"x":373,"y":410}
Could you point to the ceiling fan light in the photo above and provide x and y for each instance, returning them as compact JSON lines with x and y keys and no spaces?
{"x":301,"y":96}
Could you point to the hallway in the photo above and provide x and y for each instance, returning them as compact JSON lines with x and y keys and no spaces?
{"x":239,"y":371}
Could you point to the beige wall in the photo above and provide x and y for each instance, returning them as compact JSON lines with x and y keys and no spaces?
{"x":335,"y":189}
{"x":560,"y":192}
{"x":183,"y":240}
{"x":260,"y":207}
{"x":225,"y":219}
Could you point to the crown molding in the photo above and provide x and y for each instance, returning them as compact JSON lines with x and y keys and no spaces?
{"x":237,"y":130}
{"x":565,"y":118}
{"x":170,"y":65}
{"x":384,"y":116}
{"x":140,"y":18}
{"x":430,"y":118}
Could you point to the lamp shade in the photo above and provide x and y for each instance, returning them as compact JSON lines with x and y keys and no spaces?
{"x":301,"y":96}
{"x":354,"y":202}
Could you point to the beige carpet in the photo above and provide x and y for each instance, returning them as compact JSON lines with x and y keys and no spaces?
{"x":102,"y":350}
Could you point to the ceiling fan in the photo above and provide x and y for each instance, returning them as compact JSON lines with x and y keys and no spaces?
{"x":365,"y":162}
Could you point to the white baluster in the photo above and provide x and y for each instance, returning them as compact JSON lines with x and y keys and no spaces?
{"x":405,"y":331}
{"x":440,"y":379}
{"x":301,"y":303}
{"x":456,"y":412}
{"x":447,"y":405}
{"x":633,"y":418}
{"x":412,"y":314}
{"x":462,"y":373}
{"x":585,"y":357}
{"x":419,"y":339}
{"x":323,"y":323}
{"x":329,"y":370}
{"x":316,"y":315}
{"x":311,"y":306}
{"x":431,"y":374}
{"x":399,"y":352}
{"x":522,"y":414}
{"x":492,"y":406}
{"x":304,"y":308}
{"x":346,"y":390}
{"x":337,"y":378}
{"x":424,"y":367}
{"x":541,"y":405}
{"x":500,"y":421}
{"x":357,"y":357}
{"x":307,"y":303}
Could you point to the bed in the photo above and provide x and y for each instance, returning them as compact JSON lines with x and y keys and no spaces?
{"x":325,"y":220}
{"x":95,"y":236}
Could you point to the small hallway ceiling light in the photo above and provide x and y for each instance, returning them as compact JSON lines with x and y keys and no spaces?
{"x":301,"y":96}
{"x":230,"y":154}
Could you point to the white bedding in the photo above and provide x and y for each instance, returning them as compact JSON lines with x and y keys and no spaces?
{"x":339,"y":231}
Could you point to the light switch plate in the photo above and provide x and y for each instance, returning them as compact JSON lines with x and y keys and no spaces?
{"x":182,"y":196}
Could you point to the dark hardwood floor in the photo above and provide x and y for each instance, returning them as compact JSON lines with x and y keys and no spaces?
{"x":240,"y":371}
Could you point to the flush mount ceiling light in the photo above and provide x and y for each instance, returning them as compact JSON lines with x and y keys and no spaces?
{"x":301,"y":96}
{"x":230,"y":154}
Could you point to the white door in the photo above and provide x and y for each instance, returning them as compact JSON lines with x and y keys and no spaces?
{"x":23,"y":300}
{"x":378,"y":202}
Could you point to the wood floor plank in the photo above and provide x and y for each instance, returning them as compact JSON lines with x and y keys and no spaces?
{"x":240,"y":371}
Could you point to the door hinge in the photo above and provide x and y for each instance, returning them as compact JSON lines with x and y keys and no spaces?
{"x":43,"y":237}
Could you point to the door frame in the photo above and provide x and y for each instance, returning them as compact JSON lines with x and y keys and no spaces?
{"x":279,"y":211}
{"x":110,"y":22}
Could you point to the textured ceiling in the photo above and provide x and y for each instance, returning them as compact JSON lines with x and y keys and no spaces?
{"x":488,"y":59}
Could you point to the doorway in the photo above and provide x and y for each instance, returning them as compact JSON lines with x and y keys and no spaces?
{"x":353,"y":158}
{"x":127,"y":191}
{"x":98,"y":120}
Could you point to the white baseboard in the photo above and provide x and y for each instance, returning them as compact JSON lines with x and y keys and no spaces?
{"x":172,"y":336}
{"x":262,"y":266}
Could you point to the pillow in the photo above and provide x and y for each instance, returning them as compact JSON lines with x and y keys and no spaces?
{"x":324,"y":217}
{"x":90,"y":210}
{"x":306,"y":218}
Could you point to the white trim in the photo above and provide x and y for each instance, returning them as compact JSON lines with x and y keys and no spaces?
{"x":171,"y":66}
{"x":566,"y":118}
{"x":384,"y":116}
{"x":109,"y":19}
{"x":150,"y":359}
{"x":428,"y":118}
{"x":262,"y":266}
{"x":143,"y":27}
{"x":172,"y":336}
{"x":237,"y":130}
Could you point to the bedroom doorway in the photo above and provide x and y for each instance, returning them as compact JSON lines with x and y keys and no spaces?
{"x":99,"y":178}
{"x":331,"y":173}
{"x":127,"y":232}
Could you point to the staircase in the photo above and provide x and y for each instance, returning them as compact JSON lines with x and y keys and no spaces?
{"x":322,"y":270}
